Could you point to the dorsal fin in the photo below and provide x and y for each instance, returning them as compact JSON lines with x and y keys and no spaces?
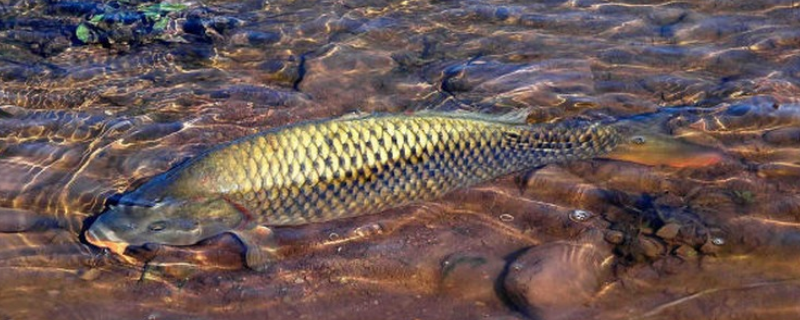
{"x":514,"y":117}
{"x":354,"y":115}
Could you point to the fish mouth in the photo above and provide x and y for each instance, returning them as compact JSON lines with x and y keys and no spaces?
{"x":102,"y":237}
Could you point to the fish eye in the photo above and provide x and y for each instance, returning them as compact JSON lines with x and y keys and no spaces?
{"x":157,"y":226}
{"x":638,"y":140}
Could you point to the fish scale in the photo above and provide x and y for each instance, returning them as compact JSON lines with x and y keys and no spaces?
{"x":320,"y":171}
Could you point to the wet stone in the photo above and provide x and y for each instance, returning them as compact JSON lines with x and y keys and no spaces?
{"x":668,"y":16}
{"x":255,"y":38}
{"x":580,"y":215}
{"x":651,"y":248}
{"x":551,"y":279}
{"x":669,"y":231}
{"x":615,"y":237}
{"x":686,"y":251}
{"x":368,"y":230}
{"x":710,"y":248}
{"x":783,"y":136}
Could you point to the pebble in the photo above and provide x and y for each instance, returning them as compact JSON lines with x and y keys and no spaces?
{"x":686,"y":251}
{"x":368,"y":230}
{"x":669,"y":231}
{"x":333,"y":236}
{"x":580,"y":215}
{"x":651,"y":247}
{"x":615,"y":237}
{"x":709,"y":248}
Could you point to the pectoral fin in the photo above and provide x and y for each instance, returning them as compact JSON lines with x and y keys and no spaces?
{"x":522,"y":179}
{"x":260,"y":246}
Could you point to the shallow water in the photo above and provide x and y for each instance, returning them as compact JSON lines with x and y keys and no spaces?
{"x":97,"y":97}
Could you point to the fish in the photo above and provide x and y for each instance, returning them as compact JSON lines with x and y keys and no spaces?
{"x":320,"y":171}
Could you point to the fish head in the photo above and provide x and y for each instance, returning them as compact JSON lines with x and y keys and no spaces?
{"x":645,"y":140}
{"x":168,"y":221}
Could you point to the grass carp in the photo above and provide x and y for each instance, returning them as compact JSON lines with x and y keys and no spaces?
{"x":319,"y":171}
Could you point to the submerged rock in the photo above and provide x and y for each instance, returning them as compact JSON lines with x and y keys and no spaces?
{"x":650,"y":247}
{"x":549,"y":280}
{"x":615,"y":237}
{"x":669,"y":231}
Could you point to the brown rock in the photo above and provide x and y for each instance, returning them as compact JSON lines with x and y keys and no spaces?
{"x":615,"y":237}
{"x":685,"y":251}
{"x":712,"y":246}
{"x":651,"y":248}
{"x":550,"y":280}
{"x":669,"y":231}
{"x":783,"y":136}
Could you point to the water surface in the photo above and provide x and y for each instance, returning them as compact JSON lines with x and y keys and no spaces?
{"x":98,"y":97}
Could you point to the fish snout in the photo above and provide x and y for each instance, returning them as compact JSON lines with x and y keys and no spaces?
{"x":101,"y":236}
